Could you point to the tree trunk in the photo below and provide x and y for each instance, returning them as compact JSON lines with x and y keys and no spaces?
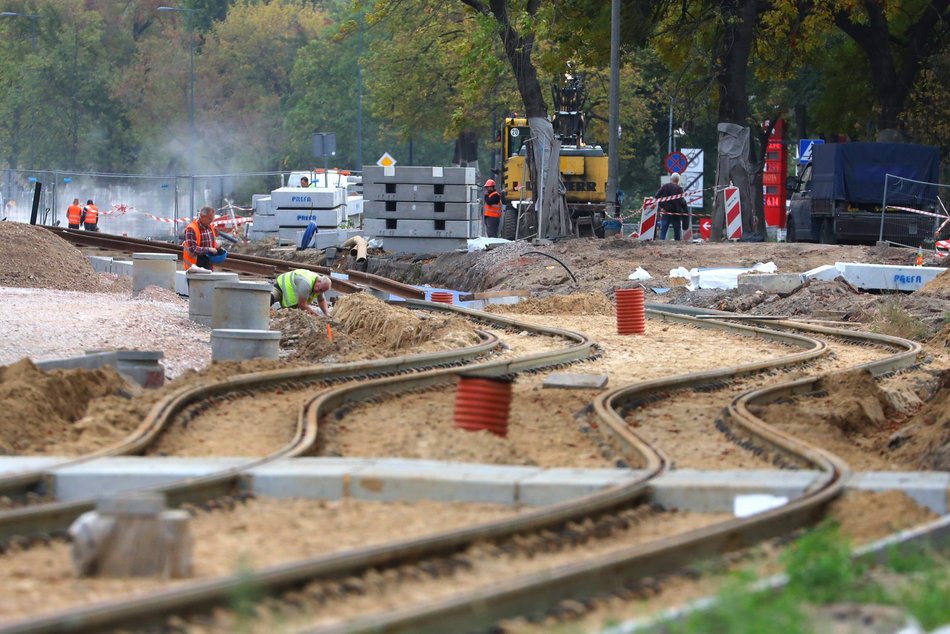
{"x":466,"y":149}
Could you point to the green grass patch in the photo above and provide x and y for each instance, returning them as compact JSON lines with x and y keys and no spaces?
{"x":893,"y":320}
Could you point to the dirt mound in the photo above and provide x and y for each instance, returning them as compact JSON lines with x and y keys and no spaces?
{"x":938,"y":287}
{"x":36,"y":258}
{"x":38,"y":409}
{"x":575,"y":304}
{"x":925,"y":439}
{"x":365,"y":327}
{"x":858,"y":401}
{"x":864,"y":516}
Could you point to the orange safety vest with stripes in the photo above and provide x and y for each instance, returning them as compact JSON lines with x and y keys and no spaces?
{"x":92,"y":215}
{"x":188,"y":257}
{"x":74,"y":214}
{"x":492,"y":209}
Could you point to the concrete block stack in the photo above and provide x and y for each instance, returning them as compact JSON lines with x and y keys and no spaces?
{"x":265,"y":222}
{"x":288,"y":211}
{"x":421,"y":209}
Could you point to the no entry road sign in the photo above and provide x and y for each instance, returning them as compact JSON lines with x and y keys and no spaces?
{"x":676,"y":162}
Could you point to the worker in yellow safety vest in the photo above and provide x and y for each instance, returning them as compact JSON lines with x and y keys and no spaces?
{"x":299,"y":289}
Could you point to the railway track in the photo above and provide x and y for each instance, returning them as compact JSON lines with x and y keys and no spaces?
{"x":250,"y":264}
{"x":610,"y":410}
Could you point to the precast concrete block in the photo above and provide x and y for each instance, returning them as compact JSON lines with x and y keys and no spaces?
{"x":100,"y":263}
{"x":262,"y":224}
{"x":423,"y":245}
{"x":769,"y":282}
{"x":311,"y":198}
{"x":887,"y":277}
{"x":716,"y":491}
{"x":233,"y":344}
{"x":14,"y":464}
{"x":323,"y":240}
{"x":421,"y":210}
{"x":201,"y":294}
{"x":412,"y":480}
{"x":399,"y":228}
{"x":552,"y":486}
{"x":241,"y":305}
{"x":421,"y":193}
{"x":153,"y":269}
{"x":311,"y":478}
{"x":300,"y":218}
{"x":927,"y":488}
{"x":418,"y":175}
{"x":88,"y":361}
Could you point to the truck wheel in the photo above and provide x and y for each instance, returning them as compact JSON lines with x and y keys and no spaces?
{"x":826,"y":234}
{"x":790,"y":234}
{"x":509,"y":222}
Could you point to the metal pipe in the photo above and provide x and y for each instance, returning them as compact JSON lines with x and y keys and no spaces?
{"x":613,"y":158}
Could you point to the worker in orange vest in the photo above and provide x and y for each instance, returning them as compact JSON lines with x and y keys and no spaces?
{"x":90,"y":216}
{"x":74,"y":214}
{"x":201,"y":240}
{"x":492,"y":209}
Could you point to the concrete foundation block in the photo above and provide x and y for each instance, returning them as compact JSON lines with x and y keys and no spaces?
{"x":201,"y":294}
{"x":769,"y":282}
{"x":233,"y":344}
{"x":307,"y":198}
{"x":418,"y":174}
{"x":153,"y":269}
{"x":240,"y":305}
{"x":401,"y":228}
{"x":313,"y":478}
{"x":407,"y":192}
{"x":422,"y":210}
{"x":423,"y":245}
{"x":887,"y":277}
{"x":552,"y":486}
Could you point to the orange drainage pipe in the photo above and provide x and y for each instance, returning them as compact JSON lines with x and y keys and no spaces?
{"x":443,"y":297}
{"x":631,"y":313}
{"x":483,"y":404}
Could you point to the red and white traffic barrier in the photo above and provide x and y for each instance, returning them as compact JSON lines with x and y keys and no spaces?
{"x":733,"y":213}
{"x":648,"y":219}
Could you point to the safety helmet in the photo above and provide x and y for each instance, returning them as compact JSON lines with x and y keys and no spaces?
{"x":489,"y":183}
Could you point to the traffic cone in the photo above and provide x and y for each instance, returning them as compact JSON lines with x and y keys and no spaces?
{"x":920,"y":256}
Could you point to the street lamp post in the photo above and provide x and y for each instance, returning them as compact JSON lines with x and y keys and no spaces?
{"x":189,"y":23}
{"x":33,"y":18}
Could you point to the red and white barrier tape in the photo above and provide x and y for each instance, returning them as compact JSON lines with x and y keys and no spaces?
{"x":917,"y":211}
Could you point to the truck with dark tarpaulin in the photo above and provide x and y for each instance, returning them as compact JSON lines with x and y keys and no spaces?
{"x":841,"y":195}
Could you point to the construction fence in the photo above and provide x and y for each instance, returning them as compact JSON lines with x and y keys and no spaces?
{"x":137,"y":205}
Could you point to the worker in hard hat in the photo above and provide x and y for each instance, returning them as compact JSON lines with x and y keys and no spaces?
{"x":492,"y":209}
{"x":299,"y":289}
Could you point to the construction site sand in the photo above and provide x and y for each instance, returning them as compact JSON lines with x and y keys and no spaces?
{"x":34,"y":257}
{"x":262,"y":532}
{"x":365,"y":327}
{"x":862,"y":516}
{"x":544,"y":429}
{"x":855,"y":418}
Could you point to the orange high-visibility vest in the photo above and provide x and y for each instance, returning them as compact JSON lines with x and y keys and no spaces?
{"x":493,"y":210}
{"x":73,"y":214}
{"x":92,"y":215}
{"x":189,"y":258}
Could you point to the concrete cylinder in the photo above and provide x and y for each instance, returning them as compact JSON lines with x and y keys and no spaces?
{"x":233,"y":344}
{"x":201,"y":295}
{"x":153,"y":269}
{"x":142,"y":366}
{"x":241,"y":305}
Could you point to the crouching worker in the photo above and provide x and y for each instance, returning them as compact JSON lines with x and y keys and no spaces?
{"x":201,"y":242}
{"x":300,"y":288}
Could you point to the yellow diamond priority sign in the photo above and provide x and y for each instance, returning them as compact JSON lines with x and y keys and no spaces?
{"x":386,"y":160}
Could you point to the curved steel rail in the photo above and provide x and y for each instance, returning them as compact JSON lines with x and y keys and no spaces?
{"x":338,"y":566}
{"x":54,"y":517}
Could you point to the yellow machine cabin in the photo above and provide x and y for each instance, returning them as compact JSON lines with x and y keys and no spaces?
{"x":583,"y":169}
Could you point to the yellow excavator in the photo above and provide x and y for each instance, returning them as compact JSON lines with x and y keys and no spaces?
{"x":583,"y":169}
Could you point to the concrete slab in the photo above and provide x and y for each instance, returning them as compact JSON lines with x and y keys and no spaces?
{"x":317,"y":478}
{"x":400,"y":228}
{"x":373,"y":174}
{"x":412,"y":480}
{"x":422,"y":210}
{"x":122,"y":268}
{"x":769,"y":282}
{"x":113,"y":475}
{"x":824,"y":273}
{"x":16,"y":464}
{"x":552,"y":486}
{"x":886,"y":276}
{"x":100,"y":263}
{"x":930,"y":489}
{"x":715,"y":491}
{"x":578,"y":381}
